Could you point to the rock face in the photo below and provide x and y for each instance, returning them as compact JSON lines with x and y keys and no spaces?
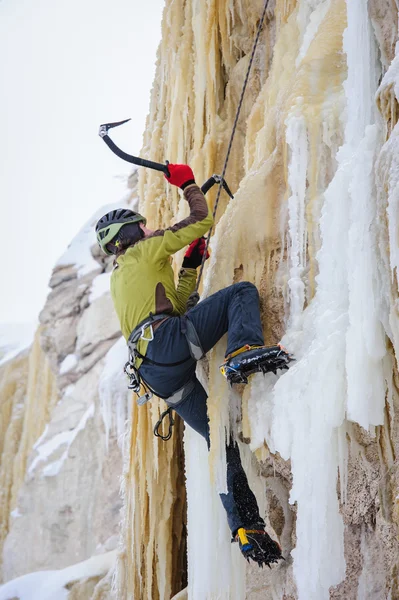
{"x":313,"y":224}
{"x":69,"y":499}
{"x":60,"y":501}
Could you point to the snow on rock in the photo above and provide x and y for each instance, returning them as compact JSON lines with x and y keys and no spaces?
{"x":51,"y":585}
{"x":100,"y":286}
{"x":97,"y":324}
{"x":69,"y":362}
{"x":65,"y":438}
{"x":78,"y":252}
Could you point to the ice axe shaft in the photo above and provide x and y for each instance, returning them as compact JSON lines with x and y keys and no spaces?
{"x":142,"y":162}
{"x":136,"y":160}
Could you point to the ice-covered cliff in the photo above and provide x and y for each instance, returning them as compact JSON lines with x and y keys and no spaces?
{"x":314,"y":225}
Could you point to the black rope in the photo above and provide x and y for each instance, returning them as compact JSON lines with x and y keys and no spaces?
{"x":231,"y":139}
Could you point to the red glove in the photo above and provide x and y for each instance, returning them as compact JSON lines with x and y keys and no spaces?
{"x":180,"y":175}
{"x":195,"y":252}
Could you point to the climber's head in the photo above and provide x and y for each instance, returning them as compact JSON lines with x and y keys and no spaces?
{"x":119,"y":229}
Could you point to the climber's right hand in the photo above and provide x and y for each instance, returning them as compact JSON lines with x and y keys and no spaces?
{"x":180,"y":175}
{"x":194,"y":254}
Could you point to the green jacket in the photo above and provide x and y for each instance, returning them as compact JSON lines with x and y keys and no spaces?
{"x":143,"y":279}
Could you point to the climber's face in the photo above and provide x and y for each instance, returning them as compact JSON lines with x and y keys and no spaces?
{"x":145,"y":230}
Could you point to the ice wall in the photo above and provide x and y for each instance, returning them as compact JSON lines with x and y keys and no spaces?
{"x":313,"y":224}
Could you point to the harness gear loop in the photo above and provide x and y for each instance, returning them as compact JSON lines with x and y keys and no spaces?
{"x":167,"y":437}
{"x":231,"y":139}
{"x":135,"y":383}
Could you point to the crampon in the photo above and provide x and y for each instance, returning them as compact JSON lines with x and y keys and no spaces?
{"x":257,"y":545}
{"x":254,"y":359}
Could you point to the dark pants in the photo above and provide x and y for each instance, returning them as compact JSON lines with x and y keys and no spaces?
{"x":235,"y":311}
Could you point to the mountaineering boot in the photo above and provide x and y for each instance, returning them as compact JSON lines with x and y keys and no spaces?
{"x":254,"y":359}
{"x":257,"y":545}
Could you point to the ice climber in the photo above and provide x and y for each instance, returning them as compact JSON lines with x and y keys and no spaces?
{"x":166,"y":341}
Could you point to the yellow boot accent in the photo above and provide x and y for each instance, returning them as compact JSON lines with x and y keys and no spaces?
{"x":235,"y":353}
{"x":240,"y":350}
{"x":243,"y":537}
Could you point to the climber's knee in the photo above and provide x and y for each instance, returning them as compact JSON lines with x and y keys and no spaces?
{"x":245,"y":286}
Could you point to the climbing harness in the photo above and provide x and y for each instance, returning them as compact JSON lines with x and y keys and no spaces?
{"x":144,"y":331}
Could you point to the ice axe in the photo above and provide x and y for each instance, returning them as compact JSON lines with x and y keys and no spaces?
{"x":142,"y":162}
{"x":136,"y":160}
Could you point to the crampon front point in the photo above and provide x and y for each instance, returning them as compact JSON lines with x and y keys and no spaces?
{"x":259,"y":359}
{"x":257,"y":545}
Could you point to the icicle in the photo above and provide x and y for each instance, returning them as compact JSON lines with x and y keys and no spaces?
{"x":208,"y":533}
{"x":113,"y":392}
{"x":297,"y":140}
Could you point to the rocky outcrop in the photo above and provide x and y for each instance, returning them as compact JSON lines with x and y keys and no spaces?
{"x":60,"y":480}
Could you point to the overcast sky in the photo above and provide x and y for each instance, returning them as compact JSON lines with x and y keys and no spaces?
{"x":66,"y":66}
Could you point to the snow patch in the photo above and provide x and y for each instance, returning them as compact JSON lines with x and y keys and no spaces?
{"x":65,"y":438}
{"x":100,"y":286}
{"x":68,"y":363}
{"x":78,"y":252}
{"x":51,"y":585}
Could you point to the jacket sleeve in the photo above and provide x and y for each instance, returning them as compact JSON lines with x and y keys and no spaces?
{"x":186,"y":231}
{"x":186,"y":285}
